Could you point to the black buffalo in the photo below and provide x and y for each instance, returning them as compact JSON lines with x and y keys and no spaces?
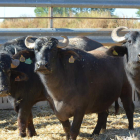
{"x":84,"y":43}
{"x":81,"y":82}
{"x":131,"y":49}
{"x":17,"y":79}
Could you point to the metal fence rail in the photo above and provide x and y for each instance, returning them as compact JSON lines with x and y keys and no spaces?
{"x":100,"y":35}
{"x":72,"y":3}
{"x":69,"y":18}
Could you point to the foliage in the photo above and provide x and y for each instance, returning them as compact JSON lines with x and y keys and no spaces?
{"x":138,"y":13}
{"x":73,"y":23}
{"x":39,"y":11}
{"x":42,"y":11}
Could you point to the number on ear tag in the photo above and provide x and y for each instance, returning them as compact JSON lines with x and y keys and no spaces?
{"x":17,"y":78}
{"x":71,"y":59}
{"x":22,"y":58}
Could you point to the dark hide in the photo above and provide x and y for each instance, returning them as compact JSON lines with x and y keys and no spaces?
{"x":131,"y":49}
{"x":90,"y":84}
{"x":25,"y":89}
{"x":84,"y":43}
{"x":23,"y":84}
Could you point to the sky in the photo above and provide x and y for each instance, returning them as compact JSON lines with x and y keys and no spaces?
{"x":121,"y":12}
{"x":29,"y":11}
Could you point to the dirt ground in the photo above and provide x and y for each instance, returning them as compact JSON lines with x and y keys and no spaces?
{"x":48,"y":127}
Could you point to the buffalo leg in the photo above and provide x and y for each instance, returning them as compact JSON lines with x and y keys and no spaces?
{"x":30,"y":126}
{"x":126,"y":98}
{"x":23,"y":116}
{"x":66,"y":127}
{"x":129,"y":109}
{"x":101,"y":123}
{"x":78,"y":117}
{"x":103,"y":129}
{"x":65,"y":124}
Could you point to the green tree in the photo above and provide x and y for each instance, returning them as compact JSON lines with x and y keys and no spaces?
{"x":78,"y":10}
{"x":138,"y":13}
{"x":42,"y":11}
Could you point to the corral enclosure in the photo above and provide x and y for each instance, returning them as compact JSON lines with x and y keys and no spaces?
{"x":46,"y":124}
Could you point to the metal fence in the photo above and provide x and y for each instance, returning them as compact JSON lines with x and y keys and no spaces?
{"x":72,"y":3}
{"x":101,"y":35}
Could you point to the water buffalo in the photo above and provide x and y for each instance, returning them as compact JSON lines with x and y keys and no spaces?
{"x":21,"y":83}
{"x":84,"y":43}
{"x":18,"y":80}
{"x":131,"y":49}
{"x":80,"y":82}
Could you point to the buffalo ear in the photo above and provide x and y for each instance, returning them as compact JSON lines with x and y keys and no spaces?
{"x":73,"y":54}
{"x":25,"y":53}
{"x":117,"y":51}
{"x":18,"y":76}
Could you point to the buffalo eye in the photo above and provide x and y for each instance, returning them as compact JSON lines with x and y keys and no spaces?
{"x":36,"y":49}
{"x":130,"y":41}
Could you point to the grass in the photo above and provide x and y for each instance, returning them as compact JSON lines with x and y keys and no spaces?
{"x":72,"y":23}
{"x":49,"y":128}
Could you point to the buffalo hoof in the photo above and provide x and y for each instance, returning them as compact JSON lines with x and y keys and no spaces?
{"x":102,"y":131}
{"x":22,"y":134}
{"x":131,"y":128}
{"x":93,"y":135}
{"x":32,"y":134}
{"x":67,"y":137}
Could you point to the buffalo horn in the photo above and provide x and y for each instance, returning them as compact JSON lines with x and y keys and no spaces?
{"x":15,"y":50}
{"x":15,"y":63}
{"x":64,"y":43}
{"x":115,"y":36}
{"x":28,"y":44}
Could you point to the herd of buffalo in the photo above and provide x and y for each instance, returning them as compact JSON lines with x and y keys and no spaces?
{"x":77,"y":76}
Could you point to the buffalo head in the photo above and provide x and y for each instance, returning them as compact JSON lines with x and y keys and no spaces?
{"x":131,"y":47}
{"x":46,"y":51}
{"x":131,"y":41}
{"x":7,"y":70}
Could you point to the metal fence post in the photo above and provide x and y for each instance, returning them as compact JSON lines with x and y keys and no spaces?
{"x":50,"y":23}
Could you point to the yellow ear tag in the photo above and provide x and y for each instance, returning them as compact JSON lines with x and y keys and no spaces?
{"x":71,"y":59}
{"x":17,"y":78}
{"x":115,"y":53}
{"x":107,"y":47}
{"x":22,"y":58}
